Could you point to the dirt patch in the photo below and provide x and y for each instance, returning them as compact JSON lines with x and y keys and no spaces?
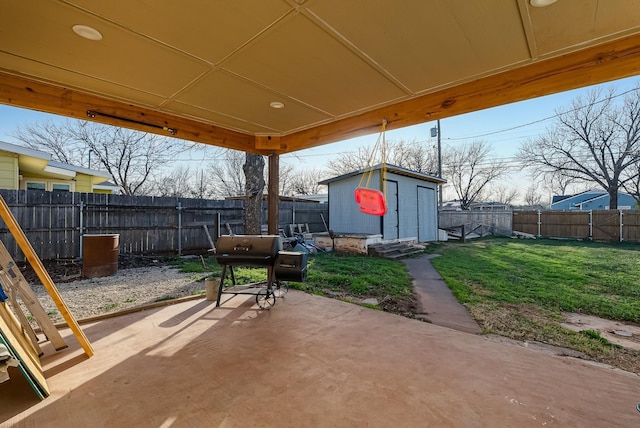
{"x":139,"y":281}
{"x":623,"y":334}
{"x":63,"y":271}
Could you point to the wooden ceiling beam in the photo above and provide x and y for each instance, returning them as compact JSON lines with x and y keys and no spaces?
{"x":22,"y":92}
{"x":609,"y":61}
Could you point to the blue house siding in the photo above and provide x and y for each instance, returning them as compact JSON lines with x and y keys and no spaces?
{"x":592,"y":200}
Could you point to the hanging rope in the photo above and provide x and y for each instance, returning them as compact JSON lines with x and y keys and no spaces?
{"x":380,"y":145}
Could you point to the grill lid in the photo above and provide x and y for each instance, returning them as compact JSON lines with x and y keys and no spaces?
{"x":254,"y":250}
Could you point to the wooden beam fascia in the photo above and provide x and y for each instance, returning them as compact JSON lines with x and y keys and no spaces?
{"x":31,"y":94}
{"x":598,"y":64}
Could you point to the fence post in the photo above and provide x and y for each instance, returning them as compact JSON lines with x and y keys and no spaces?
{"x":217,"y":230}
{"x":81,"y":228}
{"x":539,"y":223}
{"x":591,"y":225}
{"x":179,"y":208}
{"x":621,"y":239}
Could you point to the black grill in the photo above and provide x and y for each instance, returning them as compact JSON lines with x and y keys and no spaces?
{"x":248,"y":250}
{"x":263,"y":251}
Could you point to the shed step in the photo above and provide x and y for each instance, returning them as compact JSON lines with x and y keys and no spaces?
{"x":395,"y":250}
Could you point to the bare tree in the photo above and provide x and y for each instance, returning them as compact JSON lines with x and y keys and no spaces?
{"x":350,"y":161}
{"x":131,"y":157}
{"x":305,"y":182}
{"x":414,"y":156}
{"x":227,"y":175}
{"x":410,"y":155}
{"x":202,"y":187}
{"x":55,"y":139}
{"x":178,"y":182}
{"x":594,"y":140}
{"x":470,"y":169}
{"x":557,"y":183}
{"x":285,"y":181}
{"x":254,"y":187}
{"x":531,"y":196}
{"x":504,"y":194}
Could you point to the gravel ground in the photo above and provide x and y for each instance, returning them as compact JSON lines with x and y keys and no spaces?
{"x":126,"y":289}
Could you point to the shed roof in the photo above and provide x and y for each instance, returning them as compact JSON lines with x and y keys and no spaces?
{"x":390,"y":168}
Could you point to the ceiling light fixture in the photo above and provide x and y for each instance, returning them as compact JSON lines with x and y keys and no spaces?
{"x":87,"y":32}
{"x":276,"y":104}
{"x":542,"y":3}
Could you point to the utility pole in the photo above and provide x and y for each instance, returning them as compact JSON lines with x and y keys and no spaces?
{"x":436,"y":132}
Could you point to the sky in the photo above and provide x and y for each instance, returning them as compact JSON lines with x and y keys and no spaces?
{"x":504,"y":128}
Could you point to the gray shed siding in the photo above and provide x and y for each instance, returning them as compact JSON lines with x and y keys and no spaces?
{"x":344,"y":214}
{"x":412,"y":213}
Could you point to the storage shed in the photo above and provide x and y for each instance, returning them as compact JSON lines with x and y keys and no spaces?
{"x":412,"y":204}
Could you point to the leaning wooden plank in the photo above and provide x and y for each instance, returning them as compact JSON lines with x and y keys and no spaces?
{"x":21,"y":318}
{"x":42,"y":273}
{"x":30,"y":299}
{"x":206,"y":230}
{"x":14,"y":324}
{"x":32,"y":372}
{"x":9,"y":326}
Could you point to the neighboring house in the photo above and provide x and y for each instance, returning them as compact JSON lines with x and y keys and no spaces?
{"x":24,"y":168}
{"x":320,"y":197}
{"x":454,"y":205}
{"x":490,"y":206}
{"x":590,"y":200}
{"x":412,"y":204}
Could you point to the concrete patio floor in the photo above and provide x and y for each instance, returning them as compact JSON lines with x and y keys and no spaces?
{"x":310,"y":361}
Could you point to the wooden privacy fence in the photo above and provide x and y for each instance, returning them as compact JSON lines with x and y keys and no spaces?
{"x":600,"y":225}
{"x":54,"y":222}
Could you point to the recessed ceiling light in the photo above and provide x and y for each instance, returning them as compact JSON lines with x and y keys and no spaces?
{"x":542,"y":3}
{"x":276,"y":104}
{"x":87,"y":32}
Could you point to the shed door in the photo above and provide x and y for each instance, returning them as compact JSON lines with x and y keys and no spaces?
{"x":427,"y":215}
{"x":390,"y":229}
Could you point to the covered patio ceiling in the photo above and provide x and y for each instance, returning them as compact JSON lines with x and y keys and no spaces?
{"x":209,"y":71}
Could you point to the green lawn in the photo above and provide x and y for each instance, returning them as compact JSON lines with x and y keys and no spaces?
{"x":347,"y":277}
{"x":352,"y":278}
{"x":519,"y":289}
{"x":593,"y":278}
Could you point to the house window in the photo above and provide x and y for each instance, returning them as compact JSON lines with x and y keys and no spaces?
{"x":60,"y":187}
{"x":32,"y":185}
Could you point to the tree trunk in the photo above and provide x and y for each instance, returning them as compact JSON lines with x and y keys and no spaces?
{"x":613,"y":198}
{"x":254,"y":186}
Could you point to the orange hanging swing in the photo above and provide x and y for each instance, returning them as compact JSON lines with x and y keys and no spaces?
{"x":373,"y":201}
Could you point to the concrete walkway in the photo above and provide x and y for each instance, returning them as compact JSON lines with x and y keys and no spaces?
{"x":438,"y":303}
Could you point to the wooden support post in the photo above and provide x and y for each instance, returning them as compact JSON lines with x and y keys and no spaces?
{"x":273,"y":195}
{"x":42,"y":273}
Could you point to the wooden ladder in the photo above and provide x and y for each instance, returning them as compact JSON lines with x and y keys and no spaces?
{"x":15,"y":284}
